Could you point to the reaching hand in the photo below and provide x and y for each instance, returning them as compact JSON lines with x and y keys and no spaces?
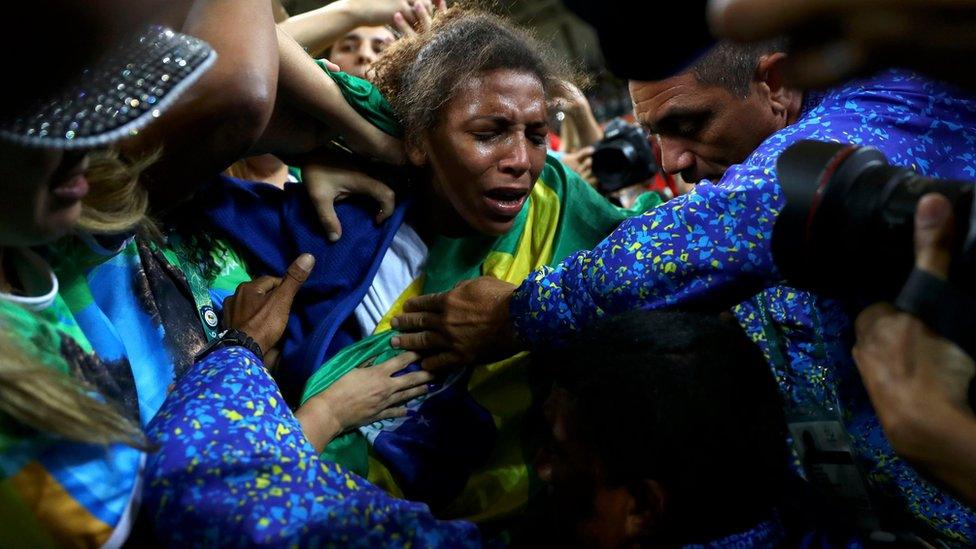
{"x":418,"y":19}
{"x":581,"y":162}
{"x":918,"y":381}
{"x":260,"y":307}
{"x":364,"y":395}
{"x":335,"y":181}
{"x":373,"y":13}
{"x":466,"y":325}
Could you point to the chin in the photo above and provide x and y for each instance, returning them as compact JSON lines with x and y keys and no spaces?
{"x":496,"y":228}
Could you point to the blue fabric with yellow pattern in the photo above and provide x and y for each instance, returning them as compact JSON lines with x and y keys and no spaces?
{"x":713,"y":245}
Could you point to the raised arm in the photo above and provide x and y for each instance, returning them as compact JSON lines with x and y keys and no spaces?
{"x":318,"y":29}
{"x":221,"y":116}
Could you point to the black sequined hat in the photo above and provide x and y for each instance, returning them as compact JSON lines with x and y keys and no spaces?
{"x":115,"y":98}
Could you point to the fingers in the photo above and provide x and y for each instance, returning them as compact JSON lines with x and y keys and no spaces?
{"x":402,"y":25}
{"x":423,"y":16}
{"x":415,"y":322}
{"x":408,"y":394}
{"x":934,"y":224}
{"x":431,"y":302}
{"x":420,"y":341}
{"x":866,"y":321}
{"x":324,"y":198}
{"x":441,"y":5}
{"x":390,"y":413}
{"x":413,"y":379}
{"x":331,"y":66}
{"x":397,"y":363}
{"x":295,"y":276}
{"x":441,"y":362}
{"x":380,"y":192}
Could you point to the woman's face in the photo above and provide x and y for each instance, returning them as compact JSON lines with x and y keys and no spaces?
{"x":41,"y":193}
{"x":488,"y":149}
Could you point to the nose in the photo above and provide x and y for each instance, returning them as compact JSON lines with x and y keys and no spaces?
{"x":516,"y":160}
{"x":366,"y":54}
{"x":675,"y":157}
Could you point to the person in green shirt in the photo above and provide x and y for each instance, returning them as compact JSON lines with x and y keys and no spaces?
{"x":471,"y":98}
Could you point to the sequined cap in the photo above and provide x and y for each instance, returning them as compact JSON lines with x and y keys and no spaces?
{"x":126,"y":90}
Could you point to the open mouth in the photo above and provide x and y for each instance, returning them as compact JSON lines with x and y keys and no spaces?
{"x":506,"y":202}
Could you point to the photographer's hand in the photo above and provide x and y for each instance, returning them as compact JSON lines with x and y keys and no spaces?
{"x":918,"y":382}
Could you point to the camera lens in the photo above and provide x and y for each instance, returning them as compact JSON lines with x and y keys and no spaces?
{"x":848,"y":223}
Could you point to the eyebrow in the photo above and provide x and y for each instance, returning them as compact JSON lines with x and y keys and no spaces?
{"x":675,"y":114}
{"x":501,"y":120}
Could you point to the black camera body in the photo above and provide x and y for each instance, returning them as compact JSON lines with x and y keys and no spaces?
{"x":848,"y":225}
{"x":623,"y":157}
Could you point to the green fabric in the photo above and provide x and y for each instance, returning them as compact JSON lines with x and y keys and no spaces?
{"x":367,"y":100}
{"x":585,"y":218}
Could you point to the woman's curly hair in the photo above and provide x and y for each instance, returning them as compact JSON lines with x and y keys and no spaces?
{"x":421,"y":74}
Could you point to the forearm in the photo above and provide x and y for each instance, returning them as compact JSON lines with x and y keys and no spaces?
{"x":588,"y":130}
{"x":306,"y":89}
{"x":221,"y":116}
{"x":318,"y":29}
{"x":683,"y":252}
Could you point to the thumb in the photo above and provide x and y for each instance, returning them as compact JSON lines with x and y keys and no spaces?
{"x":295,"y":276}
{"x":934,"y":227}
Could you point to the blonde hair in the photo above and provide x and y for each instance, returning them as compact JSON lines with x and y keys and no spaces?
{"x":116,"y":202}
{"x":49,"y":401}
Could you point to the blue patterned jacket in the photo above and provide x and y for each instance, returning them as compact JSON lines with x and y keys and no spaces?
{"x":713,"y":245}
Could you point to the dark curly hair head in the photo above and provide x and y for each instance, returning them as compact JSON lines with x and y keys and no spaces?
{"x":421,"y":74}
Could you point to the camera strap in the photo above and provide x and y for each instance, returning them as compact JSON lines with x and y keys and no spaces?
{"x":820,"y":439}
{"x":943,"y":308}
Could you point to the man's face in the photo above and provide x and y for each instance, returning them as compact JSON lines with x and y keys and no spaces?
{"x":598,"y":514}
{"x":702,"y":129}
{"x":360,"y":48}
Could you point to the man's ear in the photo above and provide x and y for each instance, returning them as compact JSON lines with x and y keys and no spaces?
{"x":783,"y":100}
{"x":646,"y":513}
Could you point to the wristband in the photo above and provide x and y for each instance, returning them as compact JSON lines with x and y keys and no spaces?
{"x":230,"y":338}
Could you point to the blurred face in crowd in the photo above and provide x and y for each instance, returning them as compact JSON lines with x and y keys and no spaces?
{"x":487,"y":150}
{"x":360,"y":48}
{"x":42,"y":192}
{"x":704,"y":129}
{"x":601,"y":515}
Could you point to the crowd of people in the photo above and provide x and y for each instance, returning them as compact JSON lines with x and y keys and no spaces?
{"x":323,"y":280}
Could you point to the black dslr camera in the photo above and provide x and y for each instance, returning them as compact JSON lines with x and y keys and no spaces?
{"x":623,"y":157}
{"x":848,"y":230}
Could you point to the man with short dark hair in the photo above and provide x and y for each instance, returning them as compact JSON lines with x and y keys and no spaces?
{"x":712,"y":247}
{"x":665,"y":429}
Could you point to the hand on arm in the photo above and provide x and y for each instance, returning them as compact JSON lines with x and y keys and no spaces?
{"x":466,"y":325}
{"x":918,"y":382}
{"x":364,"y":395}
